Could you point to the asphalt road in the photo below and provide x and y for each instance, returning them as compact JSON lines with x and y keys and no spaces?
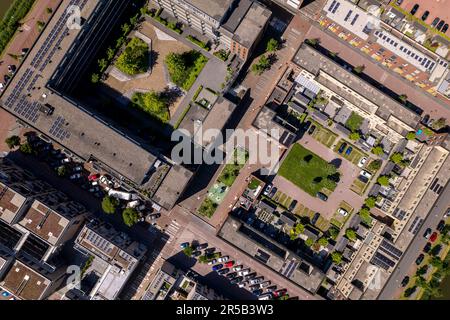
{"x":392,"y":286}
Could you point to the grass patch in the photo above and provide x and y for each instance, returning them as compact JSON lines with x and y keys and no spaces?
{"x":354,"y":122}
{"x":182,"y":116}
{"x":152,"y":103}
{"x":359,"y":187}
{"x":307,"y":170}
{"x":254,"y":184}
{"x":231,"y":170}
{"x":207,"y":208}
{"x":323,"y":135}
{"x":199,"y":43}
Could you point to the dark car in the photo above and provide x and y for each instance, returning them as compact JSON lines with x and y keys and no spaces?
{"x":342,"y":147}
{"x":321,"y":196}
{"x":420,"y":258}
{"x":427,"y":247}
{"x":223,"y":271}
{"x":436,"y":250}
{"x":425,"y":15}
{"x":273,"y":192}
{"x":315,"y":218}
{"x":441,"y":225}
{"x":232,"y":275}
{"x":202,"y":246}
{"x":427,"y":233}
{"x":292,"y":205}
{"x":349,"y":151}
{"x":236,"y":280}
{"x":257,"y":292}
{"x":414,"y":9}
{"x":312,"y":129}
{"x":405,"y":281}
{"x":217,"y":267}
{"x":196,"y":253}
{"x":210,"y":250}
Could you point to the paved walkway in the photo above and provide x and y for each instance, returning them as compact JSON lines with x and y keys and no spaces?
{"x":28,"y":34}
{"x":8,"y":127}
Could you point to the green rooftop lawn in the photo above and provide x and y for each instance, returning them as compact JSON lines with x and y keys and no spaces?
{"x":307,"y":170}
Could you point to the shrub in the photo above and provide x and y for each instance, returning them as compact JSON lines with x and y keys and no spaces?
{"x":350,"y":234}
{"x":153,"y":103}
{"x":222,"y":54}
{"x":272,"y":45}
{"x":323,"y":242}
{"x":397,"y":158}
{"x":184,"y":68}
{"x":130,"y":216}
{"x":411,"y":135}
{"x":370,"y":202}
{"x":109,"y":205}
{"x":375,"y":165}
{"x":336,"y":256}
{"x":354,"y":136}
{"x":383,"y":180}
{"x":26,"y":148}
{"x":199,"y":43}
{"x":309,"y":242}
{"x":378,"y":150}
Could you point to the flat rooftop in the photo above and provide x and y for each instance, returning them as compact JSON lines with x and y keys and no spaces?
{"x":25,"y":283}
{"x":44,"y":222}
{"x":10,"y":203}
{"x":253,"y":22}
{"x":213,"y":8}
{"x":315,"y":63}
{"x":75,"y":128}
{"x":265,"y":122}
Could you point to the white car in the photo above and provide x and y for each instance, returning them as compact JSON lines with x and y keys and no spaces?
{"x":267,"y":189}
{"x":237,"y":268}
{"x":343,"y":212}
{"x":362,"y":162}
{"x":223,"y":259}
{"x":366,"y":174}
{"x":242,"y":284}
{"x":244,"y":272}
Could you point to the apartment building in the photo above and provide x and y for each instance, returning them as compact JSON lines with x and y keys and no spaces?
{"x":236,"y":24}
{"x":171,"y":283}
{"x":367,"y":32}
{"x":115,"y":257}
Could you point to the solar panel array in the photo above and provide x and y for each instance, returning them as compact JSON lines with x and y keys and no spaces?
{"x":99,"y":241}
{"x":389,"y":248}
{"x":27,"y":109}
{"x":57,"y":129}
{"x":382,"y":261}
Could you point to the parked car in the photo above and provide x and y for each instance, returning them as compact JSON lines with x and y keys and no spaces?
{"x":271,"y":288}
{"x":184,"y":245}
{"x":433,"y":237}
{"x":257,"y":292}
{"x":437,"y":250}
{"x":441,"y":225}
{"x":244,"y":272}
{"x":321,"y":196}
{"x":217,"y":267}
{"x":236,"y":280}
{"x":237,"y":268}
{"x":154,"y":216}
{"x":427,"y":247}
{"x":342,"y":147}
{"x":365,"y":174}
{"x":75,"y":176}
{"x":343,"y":212}
{"x":94,"y":177}
{"x":362,"y":162}
{"x":427,"y":233}
{"x":405,"y":281}
{"x":210,"y":250}
{"x":312,"y":129}
{"x":292,"y":205}
{"x":12,"y":68}
{"x":265,"y":284}
{"x":256,"y":280}
{"x":267,"y":189}
{"x":223,"y":259}
{"x":77,"y":169}
{"x":250,"y":276}
{"x":211,"y":262}
{"x":223,"y":271}
{"x":254,"y":287}
{"x":232,"y":275}
{"x":447,"y":213}
{"x":420,"y":259}
{"x":229,"y":264}
{"x":279,"y":293}
{"x":273,"y":192}
{"x":242,"y":284}
{"x":349,"y":151}
{"x":201,"y":246}
{"x":266,"y":296}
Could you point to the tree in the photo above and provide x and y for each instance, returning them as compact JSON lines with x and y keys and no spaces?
{"x":336,"y":256}
{"x":333,"y":232}
{"x":103,"y":64}
{"x":436,"y":262}
{"x":375,"y":165}
{"x":188,"y":251}
{"x":359,"y":69}
{"x":12,"y":142}
{"x":397,"y":158}
{"x":110,"y":53}
{"x":49,"y":10}
{"x":378,"y":150}
{"x":350,"y":234}
{"x":126,"y":28}
{"x":314,"y":42}
{"x":370,"y":202}
{"x":421,"y":282}
{"x":130,"y":216}
{"x":411,"y":135}
{"x":272,"y":45}
{"x":410,"y":291}
{"x":354,"y":136}
{"x":364,"y":214}
{"x":439,"y":124}
{"x":95,"y":78}
{"x":383,"y":181}
{"x":134,"y":59}
{"x":309,"y":242}
{"x":62,"y":171}
{"x":422,"y":271}
{"x":26,"y":148}
{"x":109,"y":205}
{"x":403,"y":98}
{"x":323,"y":242}
{"x":40,"y":25}
{"x":153,"y":103}
{"x":262,"y":65}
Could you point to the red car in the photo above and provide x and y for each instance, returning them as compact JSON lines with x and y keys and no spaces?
{"x":229,"y":264}
{"x":94,"y":177}
{"x":279,"y":293}
{"x":433,"y":237}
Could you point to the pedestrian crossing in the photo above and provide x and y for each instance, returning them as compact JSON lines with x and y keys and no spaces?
{"x":172,"y":231}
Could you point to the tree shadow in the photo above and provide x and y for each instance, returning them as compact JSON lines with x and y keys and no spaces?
{"x":336,"y":162}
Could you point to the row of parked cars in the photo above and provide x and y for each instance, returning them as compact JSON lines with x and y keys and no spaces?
{"x":237,"y":274}
{"x":431,"y":237}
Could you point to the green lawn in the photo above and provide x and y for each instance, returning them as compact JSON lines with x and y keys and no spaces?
{"x":231,"y":170}
{"x":307,"y":170}
{"x":354,"y":122}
